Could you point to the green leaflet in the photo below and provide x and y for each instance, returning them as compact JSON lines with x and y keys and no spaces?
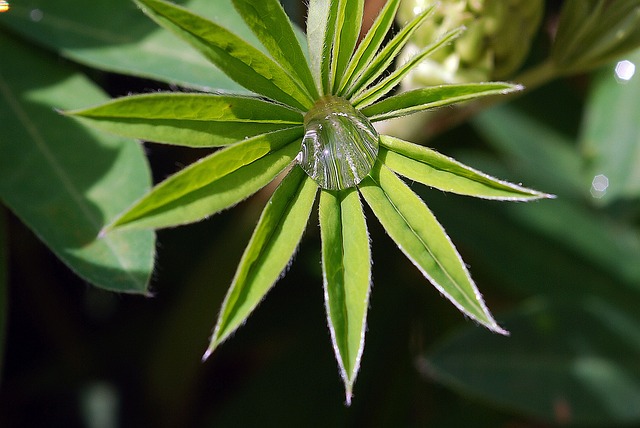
{"x":195,"y":120}
{"x":346,"y":266}
{"x":214,"y":183}
{"x":270,"y":24}
{"x":385,"y":57}
{"x":238,"y":59}
{"x":348,"y":23}
{"x":433,"y":97}
{"x":368,"y":96}
{"x":270,"y":249}
{"x":423,"y":240}
{"x":433,"y":169}
{"x":320,"y":33}
{"x":369,"y":46}
{"x":64,"y":181}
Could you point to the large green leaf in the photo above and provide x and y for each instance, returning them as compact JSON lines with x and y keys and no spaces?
{"x":270,"y":24}
{"x":346,"y":265}
{"x":240,"y":60}
{"x":65,"y":181}
{"x":610,"y":135}
{"x":569,"y":362}
{"x":127,"y":42}
{"x":270,"y":249}
{"x":4,"y":292}
{"x":433,"y":97}
{"x":213,"y":183}
{"x":433,"y":169}
{"x":196,"y":120}
{"x":423,"y":240}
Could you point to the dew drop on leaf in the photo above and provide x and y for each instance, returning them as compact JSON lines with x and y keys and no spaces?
{"x":340,"y":144}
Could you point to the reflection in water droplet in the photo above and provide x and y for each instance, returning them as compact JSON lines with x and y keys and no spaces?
{"x":625,"y":70}
{"x":599,"y":186}
{"x":340,"y":144}
{"x":36,"y":15}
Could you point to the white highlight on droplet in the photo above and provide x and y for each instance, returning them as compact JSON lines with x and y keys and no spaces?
{"x":625,"y":70}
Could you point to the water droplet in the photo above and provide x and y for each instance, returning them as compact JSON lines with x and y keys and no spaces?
{"x":624,"y":71}
{"x":340,"y":144}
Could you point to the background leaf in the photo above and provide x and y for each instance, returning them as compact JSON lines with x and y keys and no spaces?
{"x":346,"y":267}
{"x":127,"y":42}
{"x":423,"y":240}
{"x":610,"y":135}
{"x":65,"y":181}
{"x":568,"y":362}
{"x":270,"y":249}
{"x":194,"y":120}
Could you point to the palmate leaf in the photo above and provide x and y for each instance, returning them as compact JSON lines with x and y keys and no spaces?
{"x":422,"y":239}
{"x":238,"y":59}
{"x":269,"y":22}
{"x":433,"y":97}
{"x":370,"y":45}
{"x":194,"y":120}
{"x":270,"y":249}
{"x":346,"y":266}
{"x":214,"y":183}
{"x":433,"y":169}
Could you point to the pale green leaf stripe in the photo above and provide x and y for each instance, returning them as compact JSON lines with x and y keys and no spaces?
{"x":370,"y":45}
{"x":320,"y":27}
{"x":374,"y":93}
{"x":269,"y":22}
{"x":348,"y":23}
{"x":270,"y":249}
{"x":383,"y":59}
{"x":236,"y":58}
{"x":426,"y":166}
{"x":346,"y":266}
{"x":433,"y":97}
{"x":214,"y":183}
{"x":194,"y":120}
{"x":422,"y":239}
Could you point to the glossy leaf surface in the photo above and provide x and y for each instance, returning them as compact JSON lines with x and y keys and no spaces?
{"x":346,"y":266}
{"x":214,"y":183}
{"x":65,"y":181}
{"x":195,"y":120}
{"x":270,"y":249}
{"x":423,"y":240}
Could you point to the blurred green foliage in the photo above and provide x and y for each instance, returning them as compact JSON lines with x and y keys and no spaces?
{"x":563,"y":276}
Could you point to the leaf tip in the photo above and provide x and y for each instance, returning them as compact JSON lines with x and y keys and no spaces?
{"x":207,"y":353}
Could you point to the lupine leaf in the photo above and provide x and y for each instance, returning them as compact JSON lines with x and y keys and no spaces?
{"x":346,"y":265}
{"x":270,"y":24}
{"x":433,"y":97}
{"x":370,"y":45}
{"x":195,"y":120}
{"x":238,"y":59}
{"x":383,"y":59}
{"x":348,"y":22}
{"x":64,"y":181}
{"x":320,"y":30}
{"x":374,"y":93}
{"x":426,"y":166}
{"x":422,"y":239}
{"x":270,"y":249}
{"x":214,"y":183}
